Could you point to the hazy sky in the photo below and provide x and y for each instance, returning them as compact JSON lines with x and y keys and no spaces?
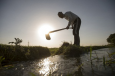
{"x":23,"y":19}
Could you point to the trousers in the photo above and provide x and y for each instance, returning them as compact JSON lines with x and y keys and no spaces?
{"x":76,"y":28}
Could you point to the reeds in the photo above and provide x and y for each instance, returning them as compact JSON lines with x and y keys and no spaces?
{"x":90,"y":52}
{"x":22,"y":53}
{"x":1,"y":59}
{"x":53,"y":51}
{"x":69,"y":50}
{"x":112,"y":59}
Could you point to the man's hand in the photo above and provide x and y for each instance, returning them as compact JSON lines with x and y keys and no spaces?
{"x":68,"y":25}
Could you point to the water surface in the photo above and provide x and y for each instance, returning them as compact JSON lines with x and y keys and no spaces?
{"x":59,"y":65}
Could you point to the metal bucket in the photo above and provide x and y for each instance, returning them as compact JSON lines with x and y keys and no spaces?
{"x":47,"y":36}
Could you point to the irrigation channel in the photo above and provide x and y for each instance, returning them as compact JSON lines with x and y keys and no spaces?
{"x":59,"y":65}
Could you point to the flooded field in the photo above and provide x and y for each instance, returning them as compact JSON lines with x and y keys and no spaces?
{"x":86,"y":65}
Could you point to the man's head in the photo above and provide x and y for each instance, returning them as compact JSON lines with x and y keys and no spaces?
{"x":60,"y":14}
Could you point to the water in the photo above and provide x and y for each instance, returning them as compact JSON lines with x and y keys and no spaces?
{"x":59,"y":65}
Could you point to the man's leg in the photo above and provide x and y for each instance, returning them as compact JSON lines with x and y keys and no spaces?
{"x":76,"y":32}
{"x":76,"y":40}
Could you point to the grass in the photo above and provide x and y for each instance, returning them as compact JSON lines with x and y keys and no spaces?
{"x":9,"y":53}
{"x":69,"y":50}
{"x":73,"y":50}
{"x":21,"y":53}
{"x":90,"y":52}
{"x":53,"y":50}
{"x":1,"y":59}
{"x":112,"y":59}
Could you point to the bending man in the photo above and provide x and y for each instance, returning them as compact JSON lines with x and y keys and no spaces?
{"x":75,"y":22}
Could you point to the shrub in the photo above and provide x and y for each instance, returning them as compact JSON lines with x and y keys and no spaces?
{"x":69,"y":50}
{"x":111,"y":39}
{"x":73,"y":51}
{"x":65,"y":44}
{"x":22,"y":53}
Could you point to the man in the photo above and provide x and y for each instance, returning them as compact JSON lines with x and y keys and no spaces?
{"x":75,"y":22}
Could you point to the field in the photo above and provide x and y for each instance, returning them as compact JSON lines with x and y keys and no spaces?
{"x":72,"y":50}
{"x":10,"y":53}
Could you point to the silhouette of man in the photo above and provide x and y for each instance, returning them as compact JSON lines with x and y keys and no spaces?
{"x":75,"y":22}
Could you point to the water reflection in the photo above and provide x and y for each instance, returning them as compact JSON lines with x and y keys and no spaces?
{"x":45,"y":64}
{"x":61,"y":66}
{"x":47,"y":67}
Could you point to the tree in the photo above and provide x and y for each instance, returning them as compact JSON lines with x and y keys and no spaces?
{"x":18,"y":41}
{"x":111,"y":39}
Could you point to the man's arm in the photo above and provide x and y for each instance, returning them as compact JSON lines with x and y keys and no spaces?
{"x":69,"y":23}
{"x":68,"y":17}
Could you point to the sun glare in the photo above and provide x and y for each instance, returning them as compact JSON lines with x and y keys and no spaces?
{"x":44,"y":29}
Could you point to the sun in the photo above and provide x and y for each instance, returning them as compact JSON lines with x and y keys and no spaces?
{"x":44,"y":29}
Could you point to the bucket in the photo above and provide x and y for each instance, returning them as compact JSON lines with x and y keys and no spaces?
{"x":47,"y":36}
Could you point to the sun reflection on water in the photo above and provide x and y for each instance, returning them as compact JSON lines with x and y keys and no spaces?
{"x":46,"y":67}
